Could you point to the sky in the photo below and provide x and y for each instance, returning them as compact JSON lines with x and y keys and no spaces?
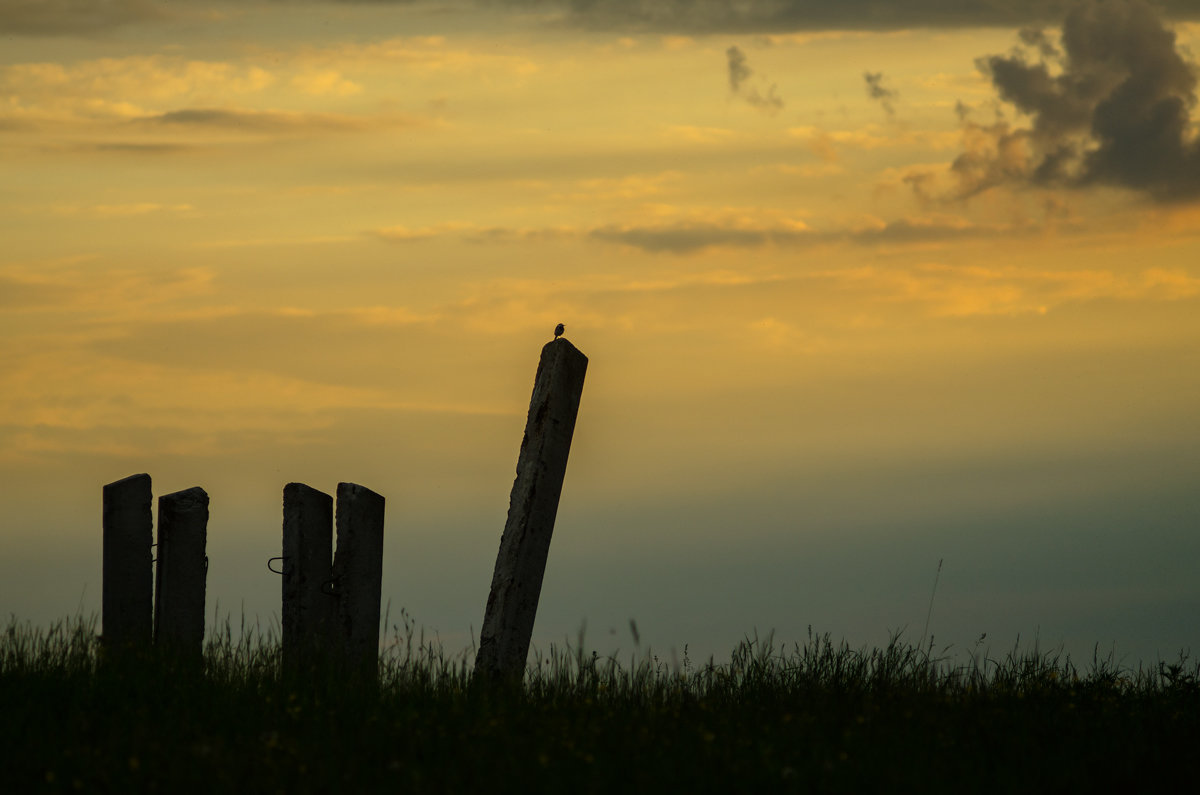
{"x":867,"y":289}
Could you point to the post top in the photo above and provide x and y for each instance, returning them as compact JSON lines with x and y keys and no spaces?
{"x":187,"y":498}
{"x":129,"y":481}
{"x":563,"y":347}
{"x":303,"y":488}
{"x":356,"y":491}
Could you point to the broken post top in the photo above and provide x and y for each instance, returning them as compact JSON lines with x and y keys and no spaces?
{"x":560,"y":366}
{"x":557,"y":387}
{"x":192,"y":499}
{"x":563,"y":346}
{"x":131,"y":482}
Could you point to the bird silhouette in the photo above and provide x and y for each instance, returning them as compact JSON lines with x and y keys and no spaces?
{"x":558,"y":330}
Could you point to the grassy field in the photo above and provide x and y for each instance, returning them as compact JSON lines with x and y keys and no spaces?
{"x":815,"y":717}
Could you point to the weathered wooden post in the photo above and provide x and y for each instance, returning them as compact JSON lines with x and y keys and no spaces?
{"x":127,"y":585}
{"x":541,"y":468}
{"x":307,"y":566}
{"x":358,"y":576}
{"x":181,"y":572}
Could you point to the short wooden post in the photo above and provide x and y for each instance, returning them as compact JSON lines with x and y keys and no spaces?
{"x":307,"y":566}
{"x":358,"y":575}
{"x":541,"y":468}
{"x":181,"y":572}
{"x":128,"y":584}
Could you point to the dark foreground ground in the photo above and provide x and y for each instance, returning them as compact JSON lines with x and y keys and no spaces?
{"x":817,"y":718}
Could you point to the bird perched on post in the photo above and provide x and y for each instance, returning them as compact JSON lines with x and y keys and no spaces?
{"x":558,"y":330}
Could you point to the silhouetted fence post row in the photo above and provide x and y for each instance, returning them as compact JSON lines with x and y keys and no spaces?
{"x":331,"y":600}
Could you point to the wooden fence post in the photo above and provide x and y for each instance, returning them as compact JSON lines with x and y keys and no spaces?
{"x":541,"y":468}
{"x":181,"y":572}
{"x":307,"y":566}
{"x":358,"y":576}
{"x":127,"y":585}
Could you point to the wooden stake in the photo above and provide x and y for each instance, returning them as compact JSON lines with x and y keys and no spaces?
{"x":181,"y":573}
{"x":533,"y":505}
{"x":128,"y":584}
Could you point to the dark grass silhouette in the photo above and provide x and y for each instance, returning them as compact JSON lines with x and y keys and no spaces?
{"x":819,"y":717}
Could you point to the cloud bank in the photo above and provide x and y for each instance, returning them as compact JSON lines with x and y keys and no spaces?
{"x":74,"y":17}
{"x":783,"y":16}
{"x":688,"y":17}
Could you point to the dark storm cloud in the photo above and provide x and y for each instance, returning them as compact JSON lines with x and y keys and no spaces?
{"x":74,"y":17}
{"x":877,"y":91}
{"x":1114,"y":108}
{"x":1036,"y":37}
{"x":782,"y":16}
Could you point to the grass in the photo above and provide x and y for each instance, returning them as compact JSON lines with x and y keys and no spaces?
{"x":818,"y":716}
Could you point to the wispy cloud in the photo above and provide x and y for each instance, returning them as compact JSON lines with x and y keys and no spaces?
{"x":972,"y":290}
{"x":84,"y":295}
{"x":26,"y":293}
{"x":421,"y":54}
{"x":698,"y":135}
{"x":739,"y":70}
{"x":326,"y":82}
{"x":683,"y":233}
{"x":826,"y":143}
{"x":262,"y":120}
{"x":106,"y":90}
{"x":121,"y":210}
{"x":130,"y":104}
{"x":151,"y":78}
{"x":468,"y":232}
{"x":406,"y":234}
{"x":764,"y":97}
{"x":625,"y":188}
{"x":876,"y":90}
{"x":691,"y":237}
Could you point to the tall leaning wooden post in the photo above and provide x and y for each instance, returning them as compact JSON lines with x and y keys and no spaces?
{"x":307,"y":566}
{"x":541,"y":468}
{"x":181,"y":572}
{"x":358,"y":576}
{"x":128,"y":584}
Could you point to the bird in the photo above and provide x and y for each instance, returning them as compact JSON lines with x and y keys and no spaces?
{"x":558,"y":330}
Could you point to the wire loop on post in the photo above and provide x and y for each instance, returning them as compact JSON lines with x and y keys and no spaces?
{"x":329,"y":587}
{"x":281,"y":569}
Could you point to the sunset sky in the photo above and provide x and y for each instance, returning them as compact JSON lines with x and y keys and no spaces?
{"x":863,"y":285}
